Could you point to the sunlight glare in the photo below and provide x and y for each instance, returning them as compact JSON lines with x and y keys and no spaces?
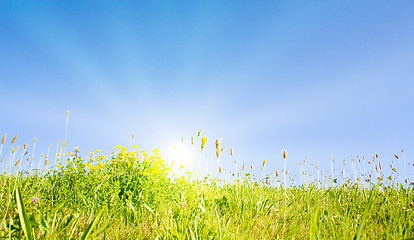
{"x":182,"y":156}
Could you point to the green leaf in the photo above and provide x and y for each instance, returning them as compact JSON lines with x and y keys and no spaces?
{"x":24,"y":219}
{"x":133,"y":210}
{"x":103,"y":228}
{"x":191,"y":233}
{"x":92,"y":225}
{"x":367,"y":209}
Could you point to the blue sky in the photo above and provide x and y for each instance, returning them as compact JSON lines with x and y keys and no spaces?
{"x":316,"y":78}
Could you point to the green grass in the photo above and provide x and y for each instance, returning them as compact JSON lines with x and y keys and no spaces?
{"x":134,"y":195}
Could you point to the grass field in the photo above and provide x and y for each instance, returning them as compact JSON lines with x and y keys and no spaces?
{"x":133,"y":194}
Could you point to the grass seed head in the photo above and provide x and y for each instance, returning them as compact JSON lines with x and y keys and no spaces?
{"x":4,"y":138}
{"x":14,"y":139}
{"x":218,"y":148}
{"x":285,"y":154}
{"x":17,"y":163}
{"x":203,"y":142}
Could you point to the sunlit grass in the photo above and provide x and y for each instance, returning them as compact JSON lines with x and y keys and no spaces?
{"x":135,"y":194}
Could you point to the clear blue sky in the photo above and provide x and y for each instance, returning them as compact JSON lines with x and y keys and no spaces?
{"x":316,"y":78}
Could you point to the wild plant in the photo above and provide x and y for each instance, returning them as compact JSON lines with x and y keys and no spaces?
{"x":134,"y":194}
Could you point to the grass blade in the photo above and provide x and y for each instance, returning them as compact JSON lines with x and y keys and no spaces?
{"x":102,"y":229}
{"x":92,"y":225}
{"x":218,"y":223}
{"x":156,"y":215}
{"x":367,"y":209}
{"x":191,"y":233}
{"x":24,"y":219}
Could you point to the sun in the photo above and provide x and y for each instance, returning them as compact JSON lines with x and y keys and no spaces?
{"x":182,"y":156}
